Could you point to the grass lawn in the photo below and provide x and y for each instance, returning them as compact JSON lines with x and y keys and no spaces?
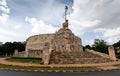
{"x":49,"y":68}
{"x":24,"y":59}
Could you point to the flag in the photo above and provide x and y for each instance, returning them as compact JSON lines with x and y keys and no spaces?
{"x":66,"y":7}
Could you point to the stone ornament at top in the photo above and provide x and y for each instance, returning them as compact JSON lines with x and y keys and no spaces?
{"x":65,"y":24}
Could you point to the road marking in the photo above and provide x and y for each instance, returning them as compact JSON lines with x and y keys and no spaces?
{"x":42,"y":70}
{"x":49,"y":70}
{"x":36,"y":70}
{"x":56,"y":70}
{"x":64,"y":71}
{"x":29,"y":70}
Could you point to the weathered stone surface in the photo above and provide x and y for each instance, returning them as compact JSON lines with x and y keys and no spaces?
{"x":65,"y":40}
{"x":98,"y":53}
{"x":65,"y":24}
{"x":38,"y":42}
{"x":111,"y":51}
{"x":46,"y":54}
{"x":16,"y":52}
{"x":58,"y":57}
{"x":31,"y":53}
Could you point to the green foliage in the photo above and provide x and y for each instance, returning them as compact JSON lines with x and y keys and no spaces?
{"x":117,"y":47}
{"x":3,"y":50}
{"x":88,"y":47}
{"x":19,"y":45}
{"x":117,"y":44}
{"x":100,"y":46}
{"x":9,"y":47}
{"x":51,"y":68}
{"x":24,"y":59}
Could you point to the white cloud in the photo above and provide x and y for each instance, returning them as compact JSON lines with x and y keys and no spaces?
{"x":40,"y":26}
{"x":4,"y":18}
{"x":99,"y":16}
{"x":5,"y":11}
{"x":14,"y":31}
{"x":111,"y":34}
{"x":80,"y":27}
{"x":11,"y":35}
{"x":82,"y":19}
{"x":89,"y":42}
{"x":3,"y":3}
{"x":17,"y":27}
{"x":85,"y":24}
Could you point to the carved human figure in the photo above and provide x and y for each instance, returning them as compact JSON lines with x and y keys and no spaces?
{"x":65,"y":24}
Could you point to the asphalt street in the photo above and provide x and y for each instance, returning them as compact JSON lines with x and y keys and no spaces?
{"x":31,"y":73}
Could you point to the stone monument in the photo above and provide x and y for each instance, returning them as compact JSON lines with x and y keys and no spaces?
{"x":63,"y":47}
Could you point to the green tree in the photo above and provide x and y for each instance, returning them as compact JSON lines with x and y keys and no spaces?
{"x":117,"y":44}
{"x":10,"y":47}
{"x":88,"y":47}
{"x":19,"y":45}
{"x":100,"y":46}
{"x":2,"y":50}
{"x":117,"y":47}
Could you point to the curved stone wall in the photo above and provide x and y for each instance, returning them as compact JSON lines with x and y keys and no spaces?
{"x":37,"y":42}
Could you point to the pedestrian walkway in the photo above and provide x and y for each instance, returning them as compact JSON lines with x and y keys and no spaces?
{"x":103,"y":66}
{"x":108,"y":67}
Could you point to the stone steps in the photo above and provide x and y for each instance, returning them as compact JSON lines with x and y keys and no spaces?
{"x":76,"y":58}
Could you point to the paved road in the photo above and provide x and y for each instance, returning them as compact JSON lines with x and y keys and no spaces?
{"x":26,"y":73}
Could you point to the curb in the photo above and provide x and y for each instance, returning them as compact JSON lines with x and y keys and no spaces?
{"x":56,"y":70}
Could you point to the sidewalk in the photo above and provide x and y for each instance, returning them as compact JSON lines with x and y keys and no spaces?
{"x":108,"y":67}
{"x":99,"y":65}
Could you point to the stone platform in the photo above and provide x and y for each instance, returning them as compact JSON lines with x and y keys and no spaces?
{"x":77,"y":58}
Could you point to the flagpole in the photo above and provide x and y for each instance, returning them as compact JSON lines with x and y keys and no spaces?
{"x":65,"y":14}
{"x":66,"y":8}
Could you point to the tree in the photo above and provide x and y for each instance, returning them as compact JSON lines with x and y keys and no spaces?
{"x":117,"y":44}
{"x":19,"y":45}
{"x":88,"y":47}
{"x":100,"y":46}
{"x":3,"y":50}
{"x":117,"y":47}
{"x":10,"y":47}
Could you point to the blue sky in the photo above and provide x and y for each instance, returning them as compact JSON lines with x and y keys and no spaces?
{"x":88,"y":19}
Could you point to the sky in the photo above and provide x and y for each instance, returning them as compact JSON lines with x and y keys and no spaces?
{"x":88,"y":19}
